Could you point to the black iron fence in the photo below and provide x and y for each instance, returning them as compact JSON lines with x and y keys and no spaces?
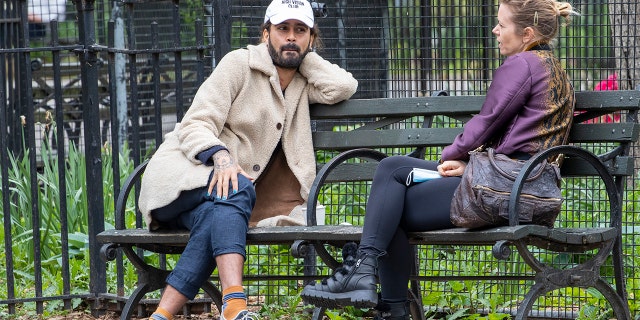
{"x":86,"y":98}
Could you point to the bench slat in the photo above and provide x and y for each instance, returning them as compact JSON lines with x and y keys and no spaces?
{"x":454,"y":236}
{"x":349,"y":172}
{"x":604,"y":132}
{"x":344,"y":140}
{"x":572,"y":167}
{"x":601,"y":101}
{"x":434,"y":137}
{"x":608,"y":100}
{"x":137,"y":236}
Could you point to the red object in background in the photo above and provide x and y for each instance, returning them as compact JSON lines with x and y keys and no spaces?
{"x":606,"y":85}
{"x":611,"y":83}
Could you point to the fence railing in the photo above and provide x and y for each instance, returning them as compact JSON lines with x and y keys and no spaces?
{"x":92,"y":97}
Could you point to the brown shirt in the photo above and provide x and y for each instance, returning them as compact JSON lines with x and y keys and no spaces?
{"x":277,"y":190}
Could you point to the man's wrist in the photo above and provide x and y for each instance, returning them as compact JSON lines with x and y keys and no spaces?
{"x":206,"y":156}
{"x":222,"y":159}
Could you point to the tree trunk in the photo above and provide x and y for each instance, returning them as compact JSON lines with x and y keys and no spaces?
{"x":625,"y":31}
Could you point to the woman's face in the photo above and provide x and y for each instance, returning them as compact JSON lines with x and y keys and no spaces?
{"x":510,"y":38}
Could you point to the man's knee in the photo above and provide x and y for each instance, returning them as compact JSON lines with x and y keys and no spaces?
{"x":245,"y":184}
{"x":246,"y":193}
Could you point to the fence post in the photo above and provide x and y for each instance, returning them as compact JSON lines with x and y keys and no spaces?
{"x":221,"y":28}
{"x":92,"y":145}
{"x":9,"y":27}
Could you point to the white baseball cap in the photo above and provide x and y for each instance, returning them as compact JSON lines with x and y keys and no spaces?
{"x":283,"y":10}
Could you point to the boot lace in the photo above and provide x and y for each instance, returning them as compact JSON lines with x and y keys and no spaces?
{"x":347,"y":265}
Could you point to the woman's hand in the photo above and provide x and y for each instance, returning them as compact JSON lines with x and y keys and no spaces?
{"x":225,"y":169}
{"x":452,"y":168}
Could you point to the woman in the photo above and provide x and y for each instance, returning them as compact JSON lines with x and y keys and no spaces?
{"x":528,"y":108}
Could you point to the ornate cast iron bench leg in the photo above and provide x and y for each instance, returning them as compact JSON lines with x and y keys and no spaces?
{"x":151,"y":279}
{"x":585,"y":275}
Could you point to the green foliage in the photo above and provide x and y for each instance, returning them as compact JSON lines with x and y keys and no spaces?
{"x":289,"y":309}
{"x":277,"y":261}
{"x":348,"y":313}
{"x":50,"y":219}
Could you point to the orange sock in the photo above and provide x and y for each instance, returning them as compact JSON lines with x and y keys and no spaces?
{"x":161,"y":314}
{"x":234,"y":300}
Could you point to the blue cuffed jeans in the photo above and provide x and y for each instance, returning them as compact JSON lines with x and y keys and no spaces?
{"x":216,"y":227}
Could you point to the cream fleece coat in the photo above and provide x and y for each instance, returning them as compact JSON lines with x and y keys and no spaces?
{"x":241,"y":106}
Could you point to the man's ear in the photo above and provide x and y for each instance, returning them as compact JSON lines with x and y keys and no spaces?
{"x":265,"y":35}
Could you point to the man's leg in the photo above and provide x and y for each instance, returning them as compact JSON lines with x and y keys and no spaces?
{"x":194,"y":267}
{"x":171,"y":302}
{"x":234,"y":300}
{"x":218,"y":231}
{"x":230,"y":271}
{"x":229,"y":238}
{"x":189,"y":211}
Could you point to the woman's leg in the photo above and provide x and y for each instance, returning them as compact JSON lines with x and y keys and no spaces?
{"x":426,"y":207}
{"x":394,"y":268}
{"x":355,"y":284}
{"x":392,"y":205}
{"x":386,"y":205}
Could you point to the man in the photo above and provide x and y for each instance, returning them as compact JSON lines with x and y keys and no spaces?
{"x":244,"y":145}
{"x":41,"y":12}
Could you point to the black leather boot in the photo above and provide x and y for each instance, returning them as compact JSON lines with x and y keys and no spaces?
{"x":393,"y":311}
{"x":354,"y":284}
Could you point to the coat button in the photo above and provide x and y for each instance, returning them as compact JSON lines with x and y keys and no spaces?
{"x":279,"y":126}
{"x":256,"y":167}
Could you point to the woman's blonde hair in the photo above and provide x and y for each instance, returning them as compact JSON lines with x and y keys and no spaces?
{"x":543,"y":16}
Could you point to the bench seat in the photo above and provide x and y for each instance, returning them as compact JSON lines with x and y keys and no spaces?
{"x":583,"y":237}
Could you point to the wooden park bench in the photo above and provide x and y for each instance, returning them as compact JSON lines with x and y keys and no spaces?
{"x":356,"y":134}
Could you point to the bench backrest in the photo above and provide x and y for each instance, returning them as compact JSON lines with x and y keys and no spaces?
{"x":606,"y":118}
{"x":605,"y":123}
{"x":414,"y":125}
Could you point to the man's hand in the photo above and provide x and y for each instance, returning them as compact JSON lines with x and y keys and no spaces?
{"x":452,"y":168}
{"x":225,"y":169}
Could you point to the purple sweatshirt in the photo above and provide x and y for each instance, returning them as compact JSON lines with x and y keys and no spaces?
{"x":528,"y":108}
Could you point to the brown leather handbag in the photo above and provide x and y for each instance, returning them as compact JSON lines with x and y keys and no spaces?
{"x":482,"y":198}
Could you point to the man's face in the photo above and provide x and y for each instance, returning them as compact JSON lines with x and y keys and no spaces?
{"x":288,"y":43}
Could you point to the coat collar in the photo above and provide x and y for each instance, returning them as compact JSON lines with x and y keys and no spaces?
{"x":259,"y":59}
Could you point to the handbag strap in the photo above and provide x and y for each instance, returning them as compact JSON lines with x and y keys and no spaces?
{"x":532,"y":176}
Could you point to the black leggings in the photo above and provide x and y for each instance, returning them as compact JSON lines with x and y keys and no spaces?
{"x":394,"y":209}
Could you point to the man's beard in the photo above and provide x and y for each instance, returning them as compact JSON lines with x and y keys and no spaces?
{"x":282,"y":59}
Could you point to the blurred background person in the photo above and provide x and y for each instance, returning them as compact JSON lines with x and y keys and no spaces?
{"x":41,"y":12}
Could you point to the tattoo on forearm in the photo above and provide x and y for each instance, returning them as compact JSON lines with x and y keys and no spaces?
{"x":222,"y":160}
